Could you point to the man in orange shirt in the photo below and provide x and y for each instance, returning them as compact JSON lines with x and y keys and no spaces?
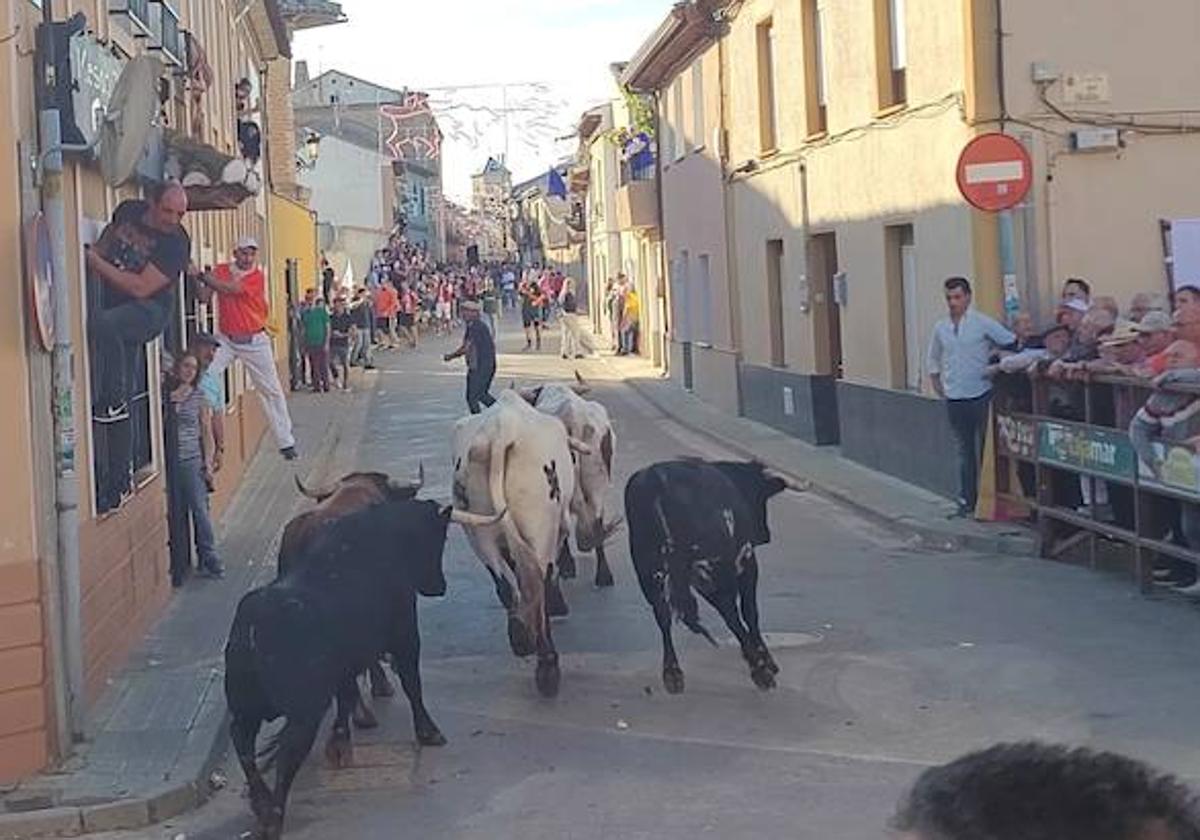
{"x":387,"y":305}
{"x":242,"y":313}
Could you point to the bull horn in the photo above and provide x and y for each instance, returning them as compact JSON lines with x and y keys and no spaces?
{"x":579,"y":446}
{"x":476,"y":520}
{"x":414,"y":486}
{"x":315,"y":495}
{"x":581,"y":385}
{"x":792,"y":484}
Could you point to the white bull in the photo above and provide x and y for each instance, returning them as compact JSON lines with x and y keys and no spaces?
{"x":516,"y":458}
{"x":587,"y":422}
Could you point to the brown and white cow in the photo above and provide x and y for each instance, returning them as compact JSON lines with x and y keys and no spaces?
{"x":586,"y":421}
{"x":517,"y":458}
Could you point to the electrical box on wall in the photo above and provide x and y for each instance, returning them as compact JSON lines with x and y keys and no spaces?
{"x":1044,"y":73}
{"x":1086,"y":89}
{"x":1095,"y":140}
{"x":841,"y":293}
{"x":789,"y":402}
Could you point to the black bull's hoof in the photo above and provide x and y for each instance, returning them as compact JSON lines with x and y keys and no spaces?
{"x":673,"y":680}
{"x":519,"y":637}
{"x":566,"y":566}
{"x":431,"y":738}
{"x":364,"y":716}
{"x":548,"y":677}
{"x":381,"y":686}
{"x":339,"y":751}
{"x":556,"y":604}
{"x":604,"y":577}
{"x":763,"y":676}
{"x":271,"y":828}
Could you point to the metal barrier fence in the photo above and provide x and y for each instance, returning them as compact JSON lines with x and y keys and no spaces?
{"x":1063,"y":452}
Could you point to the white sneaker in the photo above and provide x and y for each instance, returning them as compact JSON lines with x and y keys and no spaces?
{"x":115,"y":414}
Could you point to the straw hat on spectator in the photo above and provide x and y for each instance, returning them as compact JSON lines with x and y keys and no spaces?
{"x":1125,"y":332}
{"x":1155,"y":321}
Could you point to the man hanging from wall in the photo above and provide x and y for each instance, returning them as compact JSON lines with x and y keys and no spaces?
{"x":139,"y":258}
{"x":241,"y":289}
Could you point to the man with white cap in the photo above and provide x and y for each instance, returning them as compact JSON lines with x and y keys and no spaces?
{"x":242,"y":314}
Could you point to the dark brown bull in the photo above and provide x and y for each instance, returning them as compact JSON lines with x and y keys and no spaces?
{"x":354,"y":492}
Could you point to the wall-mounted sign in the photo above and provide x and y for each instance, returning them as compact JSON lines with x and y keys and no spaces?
{"x":1087,"y":449}
{"x":995,"y":172}
{"x":84,"y":77}
{"x":1086,"y":89}
{"x":39,"y":267}
{"x":1017,"y":438}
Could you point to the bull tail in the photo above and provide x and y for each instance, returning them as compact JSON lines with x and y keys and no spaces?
{"x":497,"y":470}
{"x":680,"y":597}
{"x":242,"y":690}
{"x":268,"y":753}
{"x":496,"y":464}
{"x":683,"y":600}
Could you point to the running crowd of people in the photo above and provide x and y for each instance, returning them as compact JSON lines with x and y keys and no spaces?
{"x":406,"y":294}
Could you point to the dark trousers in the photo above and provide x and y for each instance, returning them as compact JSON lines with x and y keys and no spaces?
{"x":318,"y":364}
{"x":115,"y":332}
{"x":968,"y":419}
{"x":479,"y":382}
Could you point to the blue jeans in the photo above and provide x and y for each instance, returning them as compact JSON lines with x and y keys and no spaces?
{"x":195,"y":495}
{"x":968,"y":421}
{"x":629,"y":340}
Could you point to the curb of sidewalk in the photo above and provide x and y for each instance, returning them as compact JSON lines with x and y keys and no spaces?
{"x":921,"y":534}
{"x":171,"y":800}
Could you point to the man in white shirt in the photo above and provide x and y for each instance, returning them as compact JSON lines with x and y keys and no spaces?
{"x":959,"y":354}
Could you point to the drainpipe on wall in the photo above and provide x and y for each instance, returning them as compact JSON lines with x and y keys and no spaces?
{"x":66,"y":480}
{"x":663,"y":278}
{"x":731,"y":262}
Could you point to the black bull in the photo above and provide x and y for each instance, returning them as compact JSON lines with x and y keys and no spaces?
{"x":300,"y":641}
{"x":694,"y":525}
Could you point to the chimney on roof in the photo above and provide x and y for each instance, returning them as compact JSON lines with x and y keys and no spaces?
{"x":302,"y":77}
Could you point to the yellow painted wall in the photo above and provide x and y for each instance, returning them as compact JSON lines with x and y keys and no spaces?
{"x":293,"y":236}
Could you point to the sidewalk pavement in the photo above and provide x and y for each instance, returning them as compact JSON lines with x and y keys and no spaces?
{"x":922,"y":516}
{"x":159,"y":731}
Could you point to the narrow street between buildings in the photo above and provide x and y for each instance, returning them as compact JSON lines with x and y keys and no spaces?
{"x":893,"y":658}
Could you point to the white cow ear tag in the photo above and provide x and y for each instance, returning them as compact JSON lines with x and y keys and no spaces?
{"x":729,"y":521}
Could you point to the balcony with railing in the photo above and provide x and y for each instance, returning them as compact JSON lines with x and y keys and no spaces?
{"x":637,"y":205}
{"x":137,"y":12}
{"x":165,"y":26}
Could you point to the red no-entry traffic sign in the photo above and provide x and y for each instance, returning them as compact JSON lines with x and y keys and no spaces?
{"x":995,"y":172}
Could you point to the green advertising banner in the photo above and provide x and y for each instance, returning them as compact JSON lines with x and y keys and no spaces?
{"x":1092,"y":450}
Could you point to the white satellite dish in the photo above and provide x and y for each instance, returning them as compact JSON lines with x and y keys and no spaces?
{"x":129,"y":119}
